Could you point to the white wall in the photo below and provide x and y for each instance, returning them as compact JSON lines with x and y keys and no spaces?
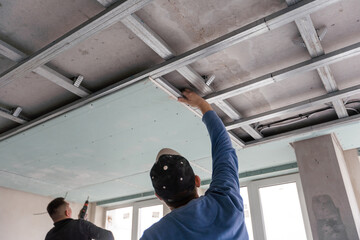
{"x":17,"y":219}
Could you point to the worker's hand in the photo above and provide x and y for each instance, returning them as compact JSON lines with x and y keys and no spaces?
{"x":194,"y":100}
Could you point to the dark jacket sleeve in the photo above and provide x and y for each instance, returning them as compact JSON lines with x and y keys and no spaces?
{"x":95,"y":232}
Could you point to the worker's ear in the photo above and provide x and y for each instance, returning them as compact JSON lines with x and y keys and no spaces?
{"x":68,"y":213}
{"x":197,"y":181}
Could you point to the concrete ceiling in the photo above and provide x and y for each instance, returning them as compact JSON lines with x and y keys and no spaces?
{"x":101,"y":141}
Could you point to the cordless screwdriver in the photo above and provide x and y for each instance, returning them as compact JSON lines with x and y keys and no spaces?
{"x":82,"y":213}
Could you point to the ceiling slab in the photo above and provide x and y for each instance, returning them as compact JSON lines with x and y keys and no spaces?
{"x":343,"y":23}
{"x":250,"y":59}
{"x":29,"y":26}
{"x":5,"y":63}
{"x":289,"y":91}
{"x":174,"y":20}
{"x":27,"y":95}
{"x":347,"y":72}
{"x":116,"y":51}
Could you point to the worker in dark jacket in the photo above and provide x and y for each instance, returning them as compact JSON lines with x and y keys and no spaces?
{"x":66,"y":228}
{"x":217,"y":215}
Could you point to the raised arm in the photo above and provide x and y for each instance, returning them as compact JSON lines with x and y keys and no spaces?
{"x":225,"y":163}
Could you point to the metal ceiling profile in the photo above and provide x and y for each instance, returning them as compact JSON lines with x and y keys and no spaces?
{"x":310,"y":65}
{"x":9,"y":115}
{"x":124,"y":11}
{"x":98,"y":23}
{"x":15,"y":55}
{"x":136,"y":25}
{"x":297,"y":107}
{"x":312,"y":43}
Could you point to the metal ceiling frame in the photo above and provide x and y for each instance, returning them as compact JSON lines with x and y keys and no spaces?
{"x":285,"y":73}
{"x":9,"y":115}
{"x":16,"y":55}
{"x":94,"y":25}
{"x":305,"y":130}
{"x":296,"y":107}
{"x":313,"y":45}
{"x":122,"y":9}
{"x":271,"y":22}
{"x":155,"y":42}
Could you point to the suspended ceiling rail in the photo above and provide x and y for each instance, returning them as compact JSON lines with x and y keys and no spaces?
{"x":119,"y":10}
{"x":266,"y":24}
{"x":305,"y":130}
{"x":136,"y":25}
{"x":306,"y":66}
{"x":48,"y":73}
{"x":312,"y":43}
{"x":296,"y":107}
{"x":94,"y":25}
{"x":9,"y":115}
{"x":256,"y":28}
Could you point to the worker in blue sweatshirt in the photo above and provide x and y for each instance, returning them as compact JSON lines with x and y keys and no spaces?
{"x":217,"y":215}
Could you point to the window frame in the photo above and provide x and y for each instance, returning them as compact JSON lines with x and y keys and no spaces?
{"x":256,"y":211}
{"x":135,"y":212}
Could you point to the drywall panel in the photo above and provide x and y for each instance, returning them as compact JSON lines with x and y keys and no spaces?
{"x":114,"y":137}
{"x":106,"y":148}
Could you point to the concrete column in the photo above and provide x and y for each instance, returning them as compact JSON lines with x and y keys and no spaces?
{"x":352,"y":160}
{"x":329,"y":196}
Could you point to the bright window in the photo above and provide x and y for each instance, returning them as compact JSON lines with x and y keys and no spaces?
{"x":148,"y":216}
{"x":244,"y":194}
{"x":119,"y":222}
{"x":282,"y":215}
